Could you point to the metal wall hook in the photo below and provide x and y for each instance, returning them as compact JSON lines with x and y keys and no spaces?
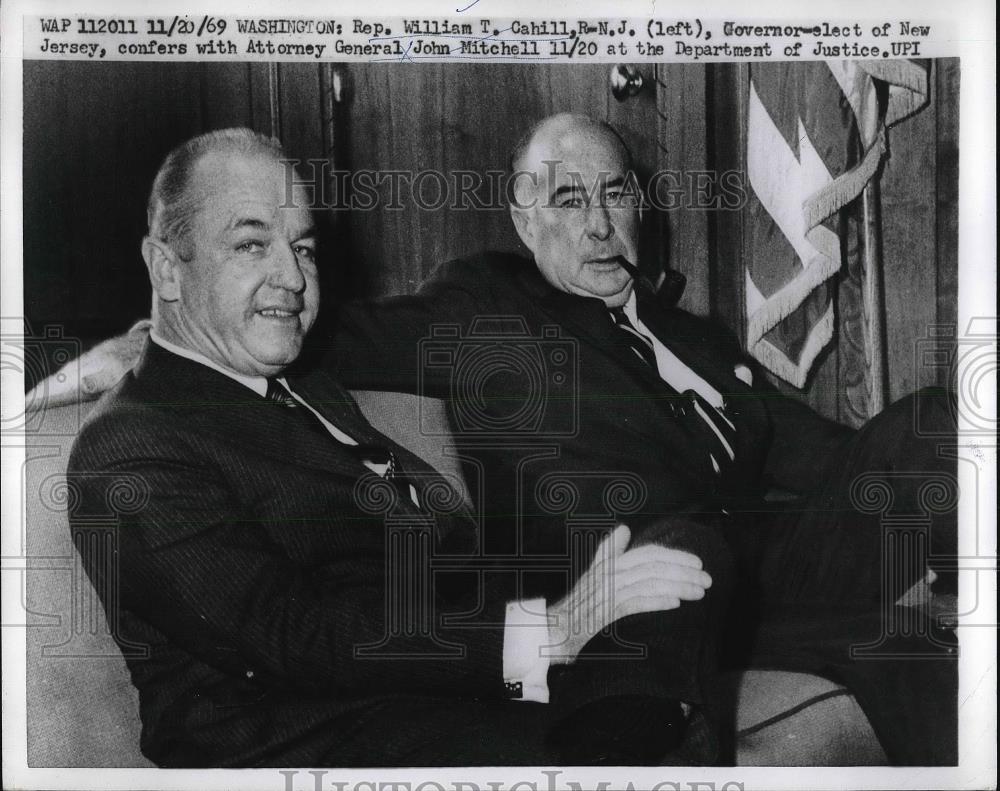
{"x":626,"y":81}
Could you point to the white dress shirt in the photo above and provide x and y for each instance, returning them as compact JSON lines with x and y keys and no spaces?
{"x":676,"y":374}
{"x":672,"y":371}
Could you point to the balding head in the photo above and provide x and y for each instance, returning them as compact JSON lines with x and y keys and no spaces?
{"x":176,"y":195}
{"x":543,"y":139}
{"x":576,"y":205}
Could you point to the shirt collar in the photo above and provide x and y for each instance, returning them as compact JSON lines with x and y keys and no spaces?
{"x":256,"y":383}
{"x":631,"y":308}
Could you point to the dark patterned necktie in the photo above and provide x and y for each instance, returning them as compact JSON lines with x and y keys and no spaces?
{"x":638,"y":342}
{"x":714,"y":422}
{"x":704,"y":418}
{"x":277,"y":393}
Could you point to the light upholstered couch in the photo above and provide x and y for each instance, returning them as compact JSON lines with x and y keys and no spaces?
{"x":83,"y":711}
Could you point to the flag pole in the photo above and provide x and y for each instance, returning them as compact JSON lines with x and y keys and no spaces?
{"x":874,"y":299}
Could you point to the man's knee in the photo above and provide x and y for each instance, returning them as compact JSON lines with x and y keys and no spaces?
{"x":703,"y":539}
{"x":925,"y":415}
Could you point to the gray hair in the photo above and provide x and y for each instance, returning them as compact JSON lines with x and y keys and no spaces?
{"x":171,"y":205}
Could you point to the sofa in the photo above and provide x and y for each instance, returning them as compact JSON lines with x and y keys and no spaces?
{"x":82,"y":710}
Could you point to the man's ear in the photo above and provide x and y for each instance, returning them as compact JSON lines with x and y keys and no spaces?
{"x":524,"y":224}
{"x":164,"y":268}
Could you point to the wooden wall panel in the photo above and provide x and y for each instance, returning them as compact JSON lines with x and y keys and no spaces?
{"x":727,"y":86}
{"x":909,"y":243}
{"x":434,"y":116}
{"x":637,"y":119}
{"x":682,"y":149}
{"x":225,"y":90}
{"x":394,"y":124}
{"x":264,"y":111}
{"x":476,"y":137}
{"x":301,"y":122}
{"x":946,"y":83}
{"x":95,"y":134}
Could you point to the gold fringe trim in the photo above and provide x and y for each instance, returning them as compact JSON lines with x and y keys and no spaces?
{"x":796,"y":374}
{"x":785,"y":300}
{"x":842,"y":190}
{"x":907,"y":81}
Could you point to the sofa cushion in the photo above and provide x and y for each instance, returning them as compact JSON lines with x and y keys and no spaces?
{"x":794,"y":719}
{"x":82,"y":709}
{"x":418,"y":424}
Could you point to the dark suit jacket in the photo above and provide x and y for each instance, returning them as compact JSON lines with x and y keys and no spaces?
{"x":544,"y":393}
{"x":248,"y":562}
{"x":611,"y":417}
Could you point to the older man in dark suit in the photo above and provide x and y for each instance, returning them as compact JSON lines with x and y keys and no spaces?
{"x":255,"y":561}
{"x":668,"y":402}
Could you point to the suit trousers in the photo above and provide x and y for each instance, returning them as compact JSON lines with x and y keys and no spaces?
{"x":626,"y":679}
{"x":819,"y":582}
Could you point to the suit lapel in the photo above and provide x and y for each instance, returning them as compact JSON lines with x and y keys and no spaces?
{"x":220,"y":405}
{"x":588,"y":319}
{"x":703,"y":357}
{"x":337,"y":405}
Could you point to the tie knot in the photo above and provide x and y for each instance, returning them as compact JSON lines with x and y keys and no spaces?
{"x":638,"y":342}
{"x":621,"y":317}
{"x":277,"y":393}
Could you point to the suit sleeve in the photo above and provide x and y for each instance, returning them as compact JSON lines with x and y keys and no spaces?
{"x":382,"y":344}
{"x":206,"y":575}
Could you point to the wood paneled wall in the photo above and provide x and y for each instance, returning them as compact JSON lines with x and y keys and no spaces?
{"x":462,"y":117}
{"x":94,"y":136}
{"x":96,"y":132}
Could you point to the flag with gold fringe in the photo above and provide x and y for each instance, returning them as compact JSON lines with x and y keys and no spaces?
{"x":816,"y":135}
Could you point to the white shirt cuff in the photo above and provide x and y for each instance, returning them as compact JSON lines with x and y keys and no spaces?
{"x":525,"y":664}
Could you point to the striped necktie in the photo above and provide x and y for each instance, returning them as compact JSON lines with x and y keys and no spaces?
{"x":278,"y":394}
{"x":707,"y":420}
{"x":638,"y":342}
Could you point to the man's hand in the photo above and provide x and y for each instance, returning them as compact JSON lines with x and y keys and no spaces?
{"x":93,"y":372}
{"x":619,"y":583}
